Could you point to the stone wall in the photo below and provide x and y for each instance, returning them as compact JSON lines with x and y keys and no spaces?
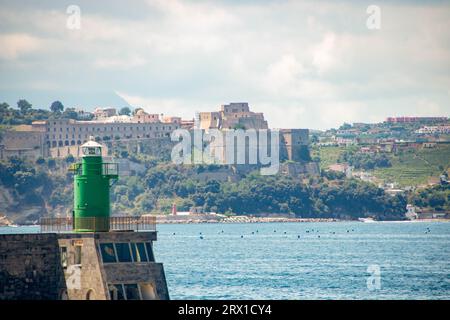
{"x":85,"y":280}
{"x":22,"y":143}
{"x":50,"y":266}
{"x":297,"y":169}
{"x":30,"y":267}
{"x":294,"y":144}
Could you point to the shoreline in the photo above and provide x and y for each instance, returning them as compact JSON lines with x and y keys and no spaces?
{"x":244,"y":219}
{"x":249,"y":220}
{"x":231,"y":220}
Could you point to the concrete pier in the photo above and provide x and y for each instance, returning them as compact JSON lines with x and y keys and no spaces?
{"x":81,"y":266}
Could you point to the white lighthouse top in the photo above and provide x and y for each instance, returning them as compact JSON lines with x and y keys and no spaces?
{"x":91,"y":148}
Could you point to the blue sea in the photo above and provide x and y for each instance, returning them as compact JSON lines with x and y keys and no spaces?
{"x":408,"y":260}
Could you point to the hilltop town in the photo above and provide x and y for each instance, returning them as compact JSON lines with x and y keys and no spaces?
{"x":387,"y":169}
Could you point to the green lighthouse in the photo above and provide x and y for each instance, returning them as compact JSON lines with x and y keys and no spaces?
{"x":89,"y":256}
{"x":92,"y":181}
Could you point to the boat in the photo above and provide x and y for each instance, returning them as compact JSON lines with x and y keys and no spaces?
{"x":367,"y":220}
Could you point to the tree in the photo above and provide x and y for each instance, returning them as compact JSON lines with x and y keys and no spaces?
{"x":70,"y":113}
{"x":24,"y":106}
{"x":57,"y":107}
{"x":125,"y":111}
{"x":51,"y":163}
{"x":345,"y":126}
{"x":70,"y":159}
{"x":3,"y":107}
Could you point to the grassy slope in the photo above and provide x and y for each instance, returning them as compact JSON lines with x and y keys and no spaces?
{"x":409,"y":168}
{"x":415,"y":168}
{"x":327,"y":155}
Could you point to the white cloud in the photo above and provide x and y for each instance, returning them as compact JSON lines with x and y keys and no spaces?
{"x":120,"y":63}
{"x":325,"y":55}
{"x":166,"y":106}
{"x":316,"y":62}
{"x":284,"y":74}
{"x":16,"y":44}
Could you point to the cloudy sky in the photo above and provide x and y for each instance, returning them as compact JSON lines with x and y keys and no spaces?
{"x":311,"y":64}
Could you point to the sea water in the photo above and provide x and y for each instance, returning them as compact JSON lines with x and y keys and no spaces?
{"x":336,"y":260}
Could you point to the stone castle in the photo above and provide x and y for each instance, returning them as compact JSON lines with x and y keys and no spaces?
{"x":232,"y":116}
{"x":58,"y":138}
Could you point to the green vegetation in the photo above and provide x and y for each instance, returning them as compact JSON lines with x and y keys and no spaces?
{"x":125,"y":111}
{"x":57,"y":107}
{"x":155,"y":189}
{"x":326,"y":155}
{"x":436,"y":198}
{"x":35,"y":184}
{"x":334,"y":196}
{"x":158,"y":184}
{"x":416,"y":167}
{"x":365,"y":161}
{"x":26,"y":114}
{"x":408,"y":167}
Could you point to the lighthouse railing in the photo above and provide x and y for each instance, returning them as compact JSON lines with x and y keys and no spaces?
{"x":110,"y":169}
{"x":117,"y":223}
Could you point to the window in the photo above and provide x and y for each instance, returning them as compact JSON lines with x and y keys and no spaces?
{"x":132,"y":291}
{"x":90,"y":294}
{"x":148,"y":245}
{"x":138,"y":251}
{"x":148,"y":291}
{"x":91,"y":151}
{"x":77,"y":254}
{"x":108,"y":253}
{"x":123,"y":252}
{"x":64,"y":257}
{"x":116,"y":292}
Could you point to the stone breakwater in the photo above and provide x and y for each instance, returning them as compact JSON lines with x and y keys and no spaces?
{"x":233,"y":219}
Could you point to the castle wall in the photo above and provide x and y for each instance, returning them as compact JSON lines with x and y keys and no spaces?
{"x":66,"y":132}
{"x":231,"y":115}
{"x":22,"y":143}
{"x":293,"y":143}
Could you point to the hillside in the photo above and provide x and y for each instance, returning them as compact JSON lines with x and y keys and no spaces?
{"x":416,"y":167}
{"x":409,"y":168}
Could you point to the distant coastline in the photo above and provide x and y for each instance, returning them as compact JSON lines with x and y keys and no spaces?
{"x":198,"y":219}
{"x":220,"y":219}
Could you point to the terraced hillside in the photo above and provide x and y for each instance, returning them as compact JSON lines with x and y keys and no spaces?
{"x":416,"y":167}
{"x":327,"y":155}
{"x":410,"y":168}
